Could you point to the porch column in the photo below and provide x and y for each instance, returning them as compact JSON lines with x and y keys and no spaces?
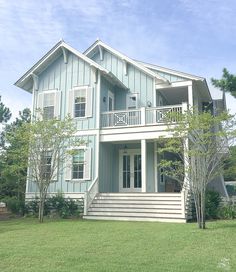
{"x":190,"y":95}
{"x":144,"y":165}
{"x":186,"y":185}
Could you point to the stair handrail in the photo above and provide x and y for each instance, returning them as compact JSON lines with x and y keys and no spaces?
{"x":185,"y":195}
{"x":90,"y":194}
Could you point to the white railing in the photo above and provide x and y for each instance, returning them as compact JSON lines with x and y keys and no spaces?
{"x":141,"y":117}
{"x":121,"y":118}
{"x":90,"y":195}
{"x":163,"y":114}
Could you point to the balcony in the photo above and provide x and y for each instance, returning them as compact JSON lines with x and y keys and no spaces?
{"x":141,"y":117}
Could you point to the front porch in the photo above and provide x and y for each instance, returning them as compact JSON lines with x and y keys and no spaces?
{"x":132,"y":167}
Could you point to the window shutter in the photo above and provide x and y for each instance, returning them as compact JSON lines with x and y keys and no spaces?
{"x":68,"y":167}
{"x":71,"y":103}
{"x":55,"y":172}
{"x":89,"y":102}
{"x":39,"y":109}
{"x":57,"y":104}
{"x":87,"y":163}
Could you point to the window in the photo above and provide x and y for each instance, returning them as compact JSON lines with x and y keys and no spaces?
{"x":80,"y":103}
{"x":78,"y":165}
{"x":48,"y":105}
{"x":132,"y":102}
{"x":46,"y":160}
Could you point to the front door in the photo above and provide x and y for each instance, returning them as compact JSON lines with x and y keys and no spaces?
{"x":130,"y":176}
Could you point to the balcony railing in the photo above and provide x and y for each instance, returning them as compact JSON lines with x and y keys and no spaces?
{"x":141,"y":117}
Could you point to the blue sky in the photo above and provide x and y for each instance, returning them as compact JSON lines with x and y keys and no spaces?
{"x":196,"y":37}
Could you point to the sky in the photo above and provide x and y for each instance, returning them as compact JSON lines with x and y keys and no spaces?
{"x":196,"y":37}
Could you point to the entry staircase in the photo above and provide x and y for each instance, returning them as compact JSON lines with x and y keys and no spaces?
{"x":162,"y":207}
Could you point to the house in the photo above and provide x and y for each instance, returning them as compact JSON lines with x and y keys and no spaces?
{"x":118,"y":105}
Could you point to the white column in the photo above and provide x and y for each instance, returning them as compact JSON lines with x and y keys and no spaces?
{"x":190,"y":95}
{"x":186,"y":165}
{"x":144,"y":165}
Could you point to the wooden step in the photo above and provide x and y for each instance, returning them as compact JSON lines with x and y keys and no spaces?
{"x":129,"y":218}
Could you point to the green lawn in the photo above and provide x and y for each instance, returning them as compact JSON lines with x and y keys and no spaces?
{"x":77,"y":245}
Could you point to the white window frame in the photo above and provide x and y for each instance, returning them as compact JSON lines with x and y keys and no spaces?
{"x":57,"y":99}
{"x":129,"y":95}
{"x":87,"y":165}
{"x":71,"y":104}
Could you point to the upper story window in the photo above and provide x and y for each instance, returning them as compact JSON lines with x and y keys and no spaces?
{"x":48,"y":104}
{"x":132,"y":101}
{"x":80,"y":102}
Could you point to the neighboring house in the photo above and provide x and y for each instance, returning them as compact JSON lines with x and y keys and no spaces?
{"x":118,"y":105}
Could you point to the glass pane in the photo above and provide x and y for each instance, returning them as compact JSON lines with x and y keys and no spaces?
{"x":110,"y":104}
{"x":79,"y":157}
{"x":48,"y":112}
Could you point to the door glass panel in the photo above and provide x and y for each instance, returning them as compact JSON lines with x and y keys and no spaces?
{"x":126,"y":171}
{"x":137,"y":171}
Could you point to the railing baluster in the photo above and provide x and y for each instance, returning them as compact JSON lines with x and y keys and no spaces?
{"x":142,"y":116}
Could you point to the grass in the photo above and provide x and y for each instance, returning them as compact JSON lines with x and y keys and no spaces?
{"x":79,"y":245}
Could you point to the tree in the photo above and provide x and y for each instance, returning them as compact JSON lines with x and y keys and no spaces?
{"x":199,"y":143}
{"x":227,"y":83}
{"x":230,"y":165}
{"x":49,"y":142}
{"x":5,"y":113}
{"x":13,"y":165}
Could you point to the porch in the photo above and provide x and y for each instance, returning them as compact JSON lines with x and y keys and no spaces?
{"x":132,"y":167}
{"x":143,"y":116}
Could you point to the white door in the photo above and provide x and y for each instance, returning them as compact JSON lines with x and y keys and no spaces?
{"x":130,"y":177}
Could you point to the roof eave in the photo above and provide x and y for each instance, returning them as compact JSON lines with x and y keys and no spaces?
{"x":124,"y":57}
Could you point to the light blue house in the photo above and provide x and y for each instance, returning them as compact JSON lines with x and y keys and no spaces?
{"x":118,"y":105}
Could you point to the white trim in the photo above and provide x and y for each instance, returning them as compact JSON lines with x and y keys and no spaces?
{"x":86,"y":132}
{"x":174,"y":84}
{"x":50,"y":53}
{"x":131,"y":153}
{"x":170,"y":71}
{"x":123,"y":57}
{"x":190,"y":96}
{"x":144,"y":165}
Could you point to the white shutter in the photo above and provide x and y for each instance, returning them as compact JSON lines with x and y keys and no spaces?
{"x":55,"y":172}
{"x":87,"y":163}
{"x":68,"y":167}
{"x":70,"y":103}
{"x":89,"y":102}
{"x":57,"y":104}
{"x":39,"y":109}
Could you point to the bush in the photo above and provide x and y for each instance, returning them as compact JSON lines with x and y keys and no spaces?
{"x":213,"y":200}
{"x":228,"y":211}
{"x":15,"y":205}
{"x":56,"y":206}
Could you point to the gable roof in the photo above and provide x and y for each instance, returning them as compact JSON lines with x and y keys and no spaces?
{"x":25,"y":82}
{"x":170,"y":71}
{"x":138,"y":65}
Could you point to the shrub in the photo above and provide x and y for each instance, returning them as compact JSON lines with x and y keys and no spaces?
{"x":213,"y":200}
{"x":56,"y":206}
{"x":15,"y":205}
{"x":227,"y":211}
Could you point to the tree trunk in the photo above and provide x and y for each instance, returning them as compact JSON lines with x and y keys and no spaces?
{"x":41,"y":207}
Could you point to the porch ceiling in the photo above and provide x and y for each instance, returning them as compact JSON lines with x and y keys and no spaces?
{"x":175,"y":95}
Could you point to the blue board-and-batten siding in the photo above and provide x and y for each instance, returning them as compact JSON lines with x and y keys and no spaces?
{"x":63,"y":77}
{"x":136,"y":80}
